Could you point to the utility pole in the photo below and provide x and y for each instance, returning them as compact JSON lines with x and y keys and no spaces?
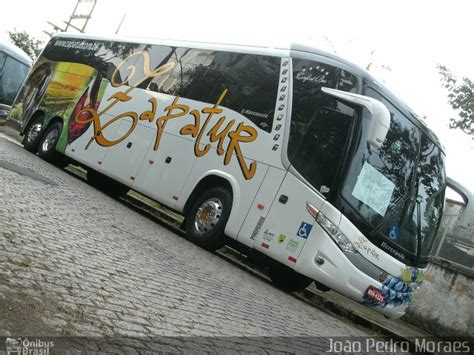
{"x":79,"y":18}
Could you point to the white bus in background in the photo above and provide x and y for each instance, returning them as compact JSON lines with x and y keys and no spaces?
{"x":456,"y":240}
{"x":14,"y":66}
{"x":295,"y":154}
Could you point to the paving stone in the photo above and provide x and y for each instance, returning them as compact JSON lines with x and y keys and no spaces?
{"x":111,"y":270}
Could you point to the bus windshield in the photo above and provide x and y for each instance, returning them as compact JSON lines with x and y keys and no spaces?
{"x":399,"y":189}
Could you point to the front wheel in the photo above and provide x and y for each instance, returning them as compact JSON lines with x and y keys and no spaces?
{"x":286,"y":278}
{"x":47,"y":145}
{"x":207,"y":218}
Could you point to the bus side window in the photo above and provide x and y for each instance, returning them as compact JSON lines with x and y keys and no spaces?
{"x":347,"y":82}
{"x":251,"y":81}
{"x":193,"y":75}
{"x":308,"y":78}
{"x":320,"y":124}
{"x":2,"y":60}
{"x":322,"y":147}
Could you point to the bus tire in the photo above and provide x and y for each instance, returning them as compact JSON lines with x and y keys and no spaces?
{"x":286,"y":278}
{"x":32,"y":135}
{"x":207,"y":218}
{"x":47,"y":145}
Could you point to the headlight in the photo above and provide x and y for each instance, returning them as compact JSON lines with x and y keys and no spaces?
{"x":341,"y":240}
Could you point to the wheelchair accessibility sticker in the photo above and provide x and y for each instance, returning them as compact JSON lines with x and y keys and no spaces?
{"x":304,"y":230}
{"x":394,"y":233}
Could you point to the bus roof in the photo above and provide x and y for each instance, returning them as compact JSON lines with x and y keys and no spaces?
{"x":15,"y":52}
{"x":278,"y":51}
{"x":286,"y":50}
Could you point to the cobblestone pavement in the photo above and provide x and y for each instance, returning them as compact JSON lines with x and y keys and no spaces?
{"x":74,"y":262}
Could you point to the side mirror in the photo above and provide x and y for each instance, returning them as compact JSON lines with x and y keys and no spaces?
{"x":379,"y":114}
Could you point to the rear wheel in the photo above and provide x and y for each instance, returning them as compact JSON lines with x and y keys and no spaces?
{"x":47,"y":145}
{"x":286,"y":278}
{"x":207,"y":218}
{"x":32,"y":135}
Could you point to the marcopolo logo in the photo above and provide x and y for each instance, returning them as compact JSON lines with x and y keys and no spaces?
{"x":25,"y":346}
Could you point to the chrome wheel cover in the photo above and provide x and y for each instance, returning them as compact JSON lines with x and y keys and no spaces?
{"x":34,"y":132}
{"x":207,"y":215}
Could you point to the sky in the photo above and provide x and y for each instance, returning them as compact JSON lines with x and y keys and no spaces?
{"x":408,"y":37}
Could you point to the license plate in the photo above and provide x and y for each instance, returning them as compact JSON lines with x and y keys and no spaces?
{"x":375,"y":294}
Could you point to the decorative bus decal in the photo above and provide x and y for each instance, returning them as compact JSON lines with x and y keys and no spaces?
{"x":242,"y":133}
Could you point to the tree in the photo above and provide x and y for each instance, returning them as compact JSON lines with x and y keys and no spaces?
{"x":23,"y":40}
{"x":461,"y":99}
{"x":373,"y":61}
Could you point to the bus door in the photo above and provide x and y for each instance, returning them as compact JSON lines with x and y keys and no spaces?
{"x":284,"y":231}
{"x":319,"y":132}
{"x":261,"y":205}
{"x":315,"y":152}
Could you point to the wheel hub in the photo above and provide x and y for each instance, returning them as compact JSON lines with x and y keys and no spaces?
{"x":208,"y":214}
{"x":34,"y":132}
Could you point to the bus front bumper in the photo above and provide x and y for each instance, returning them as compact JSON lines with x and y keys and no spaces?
{"x":323,"y":261}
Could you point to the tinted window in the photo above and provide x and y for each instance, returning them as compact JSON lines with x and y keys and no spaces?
{"x":393,"y":164}
{"x":398,"y":190}
{"x":14,"y":73}
{"x":251,"y":81}
{"x":430,"y":197}
{"x":321,"y":148}
{"x":195,"y":74}
{"x":2,"y":60}
{"x":407,"y":175}
{"x":347,"y":82}
{"x":105,"y":56}
{"x":203,"y":75}
{"x":320,"y":124}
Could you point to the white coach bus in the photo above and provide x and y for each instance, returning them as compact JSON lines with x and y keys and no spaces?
{"x":296,"y":154}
